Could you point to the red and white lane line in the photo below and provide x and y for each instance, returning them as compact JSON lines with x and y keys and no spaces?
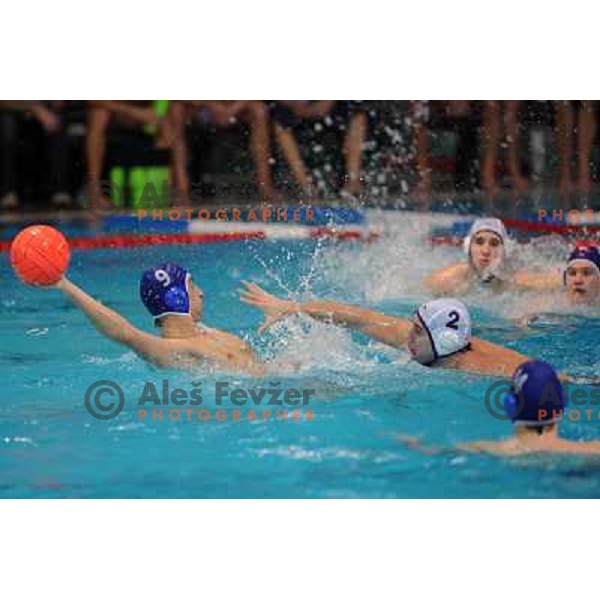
{"x":212,"y":232}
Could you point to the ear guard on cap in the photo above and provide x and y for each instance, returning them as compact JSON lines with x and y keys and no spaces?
{"x":448,"y":325}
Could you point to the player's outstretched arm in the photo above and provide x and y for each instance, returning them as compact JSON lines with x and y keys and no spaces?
{"x":112,"y":325}
{"x":388,"y":330}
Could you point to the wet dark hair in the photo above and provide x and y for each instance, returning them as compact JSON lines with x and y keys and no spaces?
{"x":539,"y":429}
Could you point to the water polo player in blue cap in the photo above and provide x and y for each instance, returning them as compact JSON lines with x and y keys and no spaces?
{"x":578,"y":284}
{"x":439,"y":335}
{"x":582,"y":276}
{"x":175,"y":303}
{"x":535,"y":404}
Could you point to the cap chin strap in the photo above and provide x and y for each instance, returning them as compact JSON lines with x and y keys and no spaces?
{"x":435,"y":354}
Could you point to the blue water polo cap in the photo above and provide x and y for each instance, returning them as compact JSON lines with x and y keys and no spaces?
{"x":587,"y":253}
{"x":164,"y":290}
{"x":536,"y":396}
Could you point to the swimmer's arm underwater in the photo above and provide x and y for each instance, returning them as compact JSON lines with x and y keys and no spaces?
{"x":415,"y":443}
{"x":509,"y":447}
{"x":512,"y":447}
{"x":388,"y":330}
{"x":500,"y":448}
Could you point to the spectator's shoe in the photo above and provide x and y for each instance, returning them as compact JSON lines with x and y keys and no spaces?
{"x":9,"y":201}
{"x":351,"y":200}
{"x":61,"y":200}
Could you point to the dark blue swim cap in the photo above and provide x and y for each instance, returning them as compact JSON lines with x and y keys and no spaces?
{"x":164,"y":290}
{"x":589,"y":253}
{"x":536,"y":397}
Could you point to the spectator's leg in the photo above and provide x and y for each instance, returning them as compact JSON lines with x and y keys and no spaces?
{"x":256,"y":115}
{"x":466,"y":154}
{"x":58,"y":161}
{"x":98,"y":119}
{"x":511,"y":123}
{"x":586,"y":133}
{"x":420,"y":111}
{"x":564,"y":137}
{"x":491,"y":139}
{"x":177,"y":119}
{"x":353,"y":145}
{"x":144,"y":115}
{"x":8,"y":155}
{"x":291,"y":151}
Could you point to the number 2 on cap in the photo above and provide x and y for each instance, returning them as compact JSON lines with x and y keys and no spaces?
{"x":453,"y":322}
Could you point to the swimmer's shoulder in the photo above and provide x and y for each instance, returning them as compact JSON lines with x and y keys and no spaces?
{"x":512,"y":447}
{"x":564,"y":446}
{"x":226,"y":349}
{"x":508,"y":447}
{"x":446,"y":279}
{"x":456,"y":270}
{"x":486,"y":357}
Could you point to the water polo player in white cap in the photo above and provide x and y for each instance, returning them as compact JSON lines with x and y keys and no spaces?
{"x":439,"y":335}
{"x":487,"y":264}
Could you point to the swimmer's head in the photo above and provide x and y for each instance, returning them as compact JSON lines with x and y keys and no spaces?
{"x":485,"y":245}
{"x":168,"y":290}
{"x":440,"y":328}
{"x":582,"y":275}
{"x":536,"y":398}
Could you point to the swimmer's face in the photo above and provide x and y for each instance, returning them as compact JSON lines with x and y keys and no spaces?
{"x":583,"y":282}
{"x":487,"y":250}
{"x":196,"y":301}
{"x":419,"y":344}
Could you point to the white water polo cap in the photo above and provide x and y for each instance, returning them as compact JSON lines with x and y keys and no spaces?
{"x":448,"y":325}
{"x":493,"y":225}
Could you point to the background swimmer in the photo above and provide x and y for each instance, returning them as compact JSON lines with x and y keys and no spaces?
{"x":535,"y":404}
{"x":580,"y":279}
{"x":487,"y":264}
{"x":176,"y":304}
{"x":439,"y":334}
{"x":578,"y":286}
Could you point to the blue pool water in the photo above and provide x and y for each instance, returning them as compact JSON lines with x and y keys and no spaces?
{"x":365,"y":394}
